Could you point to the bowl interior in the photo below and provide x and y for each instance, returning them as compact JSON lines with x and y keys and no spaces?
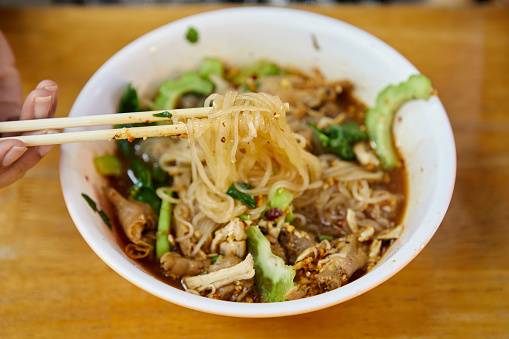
{"x":288,"y":37}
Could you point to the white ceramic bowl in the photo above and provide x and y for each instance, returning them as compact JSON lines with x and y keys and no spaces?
{"x":288,"y":37}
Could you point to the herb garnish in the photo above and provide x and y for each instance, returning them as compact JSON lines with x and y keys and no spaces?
{"x":244,"y":198}
{"x":164,"y":114}
{"x":192,"y":35}
{"x":325,"y":237}
{"x":340,"y":139}
{"x":93,"y":206}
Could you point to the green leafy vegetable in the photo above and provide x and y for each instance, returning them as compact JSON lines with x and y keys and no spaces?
{"x":164,"y":114}
{"x":290,"y":217}
{"x":340,"y":139}
{"x":129,"y":101}
{"x":325,"y":237}
{"x":124,"y":146}
{"x":163,"y":229}
{"x":379,"y":119}
{"x":143,"y":188}
{"x":259,"y":69}
{"x":251,"y":86}
{"x":192,"y":35}
{"x":171,"y":90}
{"x":214,"y":259}
{"x":142,"y":173}
{"x":276,"y":169}
{"x":159,"y":176}
{"x":94,"y":208}
{"x":244,"y":198}
{"x":273,"y":278}
{"x":244,"y":216}
{"x":211,"y":66}
{"x":143,"y":194}
{"x":281,"y":199}
{"x":108,"y":165}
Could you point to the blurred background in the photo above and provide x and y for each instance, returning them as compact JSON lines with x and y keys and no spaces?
{"x":272,"y":2}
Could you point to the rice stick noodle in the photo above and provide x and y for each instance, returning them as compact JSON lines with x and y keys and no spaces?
{"x":245,"y":138}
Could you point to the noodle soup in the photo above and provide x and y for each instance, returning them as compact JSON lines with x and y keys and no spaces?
{"x":276,"y":196}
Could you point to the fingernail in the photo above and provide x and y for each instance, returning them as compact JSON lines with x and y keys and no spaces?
{"x":42,"y":106}
{"x":43,"y":150}
{"x":51,"y":88}
{"x":12,"y":155}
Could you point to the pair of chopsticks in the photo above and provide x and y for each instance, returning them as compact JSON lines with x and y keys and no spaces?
{"x":98,"y":120}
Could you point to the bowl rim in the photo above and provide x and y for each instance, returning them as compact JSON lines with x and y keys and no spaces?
{"x":347,"y":292}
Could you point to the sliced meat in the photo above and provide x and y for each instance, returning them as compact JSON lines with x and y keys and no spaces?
{"x":340,"y":266}
{"x":230,"y":240}
{"x":301,"y":92}
{"x":224,"y":261}
{"x":285,"y":87}
{"x":136,"y":218}
{"x":238,"y":291}
{"x":295,"y":242}
{"x":244,"y":292}
{"x":237,"y":248}
{"x":241,"y":271}
{"x":175,"y":265}
{"x":276,"y":248}
{"x":225,"y":292}
{"x":297,"y":292}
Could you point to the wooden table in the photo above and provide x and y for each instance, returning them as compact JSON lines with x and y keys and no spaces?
{"x":52,"y":285}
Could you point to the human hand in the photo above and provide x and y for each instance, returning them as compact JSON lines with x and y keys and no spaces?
{"x":15,"y":158}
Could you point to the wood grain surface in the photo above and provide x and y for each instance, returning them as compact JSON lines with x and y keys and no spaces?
{"x":52,"y":285}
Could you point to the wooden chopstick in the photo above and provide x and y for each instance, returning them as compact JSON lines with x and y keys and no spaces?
{"x":97,"y":120}
{"x":99,"y":135}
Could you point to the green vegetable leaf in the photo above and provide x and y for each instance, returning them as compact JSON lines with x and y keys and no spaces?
{"x":147,"y":195}
{"x":321,"y":134}
{"x":325,"y":237}
{"x":171,"y":90}
{"x":244,"y":198}
{"x":276,"y":169}
{"x":244,"y":216}
{"x":164,"y":114}
{"x":125,"y":147}
{"x":379,"y":119}
{"x":94,"y":208}
{"x":108,"y":165}
{"x":130,"y":101}
{"x":211,"y":66}
{"x":340,"y":139}
{"x":273,"y":278}
{"x":143,"y":188}
{"x":192,"y":35}
{"x":159,"y":175}
{"x":259,"y":69}
{"x":281,"y":199}
{"x":290,"y":217}
{"x":214,"y":259}
{"x":142,"y":173}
